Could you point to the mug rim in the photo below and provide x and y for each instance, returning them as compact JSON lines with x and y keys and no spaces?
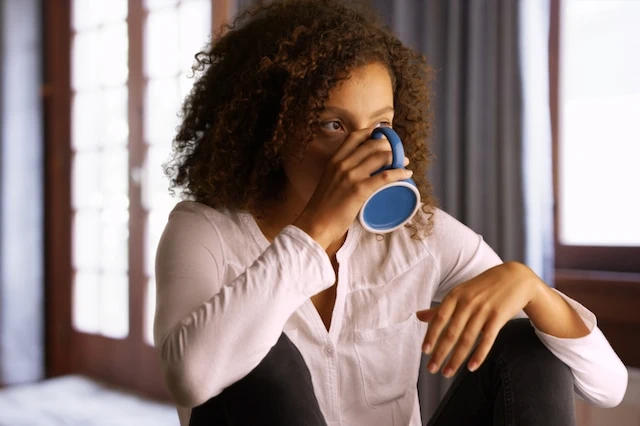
{"x":390,"y":185}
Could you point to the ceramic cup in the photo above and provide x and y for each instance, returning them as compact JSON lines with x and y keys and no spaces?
{"x":394,"y":204}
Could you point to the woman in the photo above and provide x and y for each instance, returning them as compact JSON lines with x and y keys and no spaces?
{"x":275,"y":307}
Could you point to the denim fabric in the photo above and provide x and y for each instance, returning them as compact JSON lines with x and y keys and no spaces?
{"x":278,"y":391}
{"x":520,"y":383}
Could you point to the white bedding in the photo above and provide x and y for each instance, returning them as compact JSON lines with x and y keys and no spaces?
{"x":79,"y":401}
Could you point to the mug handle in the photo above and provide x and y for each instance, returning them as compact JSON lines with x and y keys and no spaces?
{"x":396,"y":145}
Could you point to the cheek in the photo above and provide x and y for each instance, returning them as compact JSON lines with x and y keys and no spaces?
{"x":319,"y":153}
{"x":305,"y":174}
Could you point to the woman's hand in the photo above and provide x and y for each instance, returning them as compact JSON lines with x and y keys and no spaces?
{"x":478,"y":308}
{"x":346,"y":184}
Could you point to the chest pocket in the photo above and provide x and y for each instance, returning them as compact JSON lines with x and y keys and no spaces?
{"x":389,"y":360}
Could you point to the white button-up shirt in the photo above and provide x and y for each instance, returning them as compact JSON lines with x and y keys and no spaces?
{"x":225,"y":294}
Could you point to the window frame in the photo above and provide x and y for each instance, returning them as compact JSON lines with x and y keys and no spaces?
{"x":598,"y":258}
{"x":129,"y":362}
{"x":605,"y":279}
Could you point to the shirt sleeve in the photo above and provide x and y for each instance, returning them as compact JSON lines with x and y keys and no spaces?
{"x":211,"y":333}
{"x":599,"y":375}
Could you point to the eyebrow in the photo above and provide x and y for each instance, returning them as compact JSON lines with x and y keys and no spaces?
{"x":345,"y":112}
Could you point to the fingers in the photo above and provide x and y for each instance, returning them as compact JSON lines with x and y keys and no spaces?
{"x":440,"y":318}
{"x":352,"y":141}
{"x":426,"y":315}
{"x":448,"y":338}
{"x":377,"y":181}
{"x":374,"y":162}
{"x":464,"y":337}
{"x":489,"y":333}
{"x":465,"y":344}
{"x":368,"y":148}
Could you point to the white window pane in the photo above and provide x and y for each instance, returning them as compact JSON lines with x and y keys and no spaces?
{"x":155,"y":185}
{"x":156,"y":221}
{"x":162,"y":107}
{"x":113,"y":51}
{"x":85,"y":113}
{"x":112,"y":10}
{"x":114,"y":305}
{"x":85,"y":14}
{"x":115,"y":248}
{"x":115,"y":179}
{"x":600,"y":130}
{"x":185,"y":83}
{"x":159,"y":4}
{"x":87,"y":238}
{"x":91,"y":13}
{"x":85,"y":296}
{"x":161,"y":43}
{"x":115,"y":117}
{"x":149,"y":311}
{"x":195,"y":30}
{"x":85,"y":180}
{"x":85,"y":61}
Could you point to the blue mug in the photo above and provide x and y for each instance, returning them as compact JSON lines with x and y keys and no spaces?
{"x":396,"y":203}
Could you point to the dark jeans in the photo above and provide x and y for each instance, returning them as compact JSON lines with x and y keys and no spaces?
{"x":520,"y":383}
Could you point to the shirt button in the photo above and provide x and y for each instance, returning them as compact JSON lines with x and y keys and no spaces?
{"x":328,"y":350}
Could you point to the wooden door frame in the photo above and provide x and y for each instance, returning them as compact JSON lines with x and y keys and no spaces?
{"x":130,"y":362}
{"x":57,"y":133}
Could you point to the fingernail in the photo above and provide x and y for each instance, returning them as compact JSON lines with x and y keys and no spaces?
{"x":427,"y":349}
{"x":448,"y":372}
{"x":432,"y":367}
{"x":408,"y":172}
{"x":473,"y":366}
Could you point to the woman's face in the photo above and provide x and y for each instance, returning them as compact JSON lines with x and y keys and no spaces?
{"x":365,"y":100}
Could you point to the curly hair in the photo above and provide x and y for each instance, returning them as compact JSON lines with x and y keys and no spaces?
{"x":260,"y":87}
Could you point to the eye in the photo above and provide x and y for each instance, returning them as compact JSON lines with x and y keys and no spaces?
{"x":383,"y":124}
{"x":331,"y":126}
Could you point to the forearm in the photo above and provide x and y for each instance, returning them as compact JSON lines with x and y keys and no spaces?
{"x":552,"y":315}
{"x":226,"y":336}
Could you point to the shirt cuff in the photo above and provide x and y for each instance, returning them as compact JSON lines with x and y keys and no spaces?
{"x":322,"y":268}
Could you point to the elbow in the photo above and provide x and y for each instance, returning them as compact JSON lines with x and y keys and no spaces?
{"x":183,"y":374}
{"x":612,"y":394}
{"x":619,"y":389}
{"x":185,"y":385}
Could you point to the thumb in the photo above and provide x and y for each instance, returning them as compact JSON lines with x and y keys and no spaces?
{"x":427,"y":314}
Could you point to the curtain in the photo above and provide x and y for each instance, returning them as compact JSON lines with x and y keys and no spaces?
{"x":491,"y":135}
{"x":21,"y":195}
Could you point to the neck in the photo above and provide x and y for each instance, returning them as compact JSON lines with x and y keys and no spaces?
{"x":279,"y":216}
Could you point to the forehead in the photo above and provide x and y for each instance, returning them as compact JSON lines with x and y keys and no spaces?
{"x":367,"y":87}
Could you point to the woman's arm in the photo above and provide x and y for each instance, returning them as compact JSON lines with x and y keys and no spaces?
{"x":547,"y":310}
{"x":210,"y":333}
{"x":479,"y":294}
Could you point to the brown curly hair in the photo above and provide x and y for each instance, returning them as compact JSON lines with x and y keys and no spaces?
{"x":260,"y":87}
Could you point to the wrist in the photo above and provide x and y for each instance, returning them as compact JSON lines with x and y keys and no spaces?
{"x":314,"y":231}
{"x":536,"y":287}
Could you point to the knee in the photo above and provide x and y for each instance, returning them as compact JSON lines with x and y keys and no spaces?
{"x":282,"y":362}
{"x":518,"y":345}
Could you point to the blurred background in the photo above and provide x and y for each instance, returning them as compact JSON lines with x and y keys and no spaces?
{"x":536,"y":136}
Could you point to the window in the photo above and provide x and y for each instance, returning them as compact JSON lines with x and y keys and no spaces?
{"x":174,"y":32}
{"x":595,"y":104}
{"x":600,"y":133}
{"x":116,"y":74}
{"x":100,"y":188}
